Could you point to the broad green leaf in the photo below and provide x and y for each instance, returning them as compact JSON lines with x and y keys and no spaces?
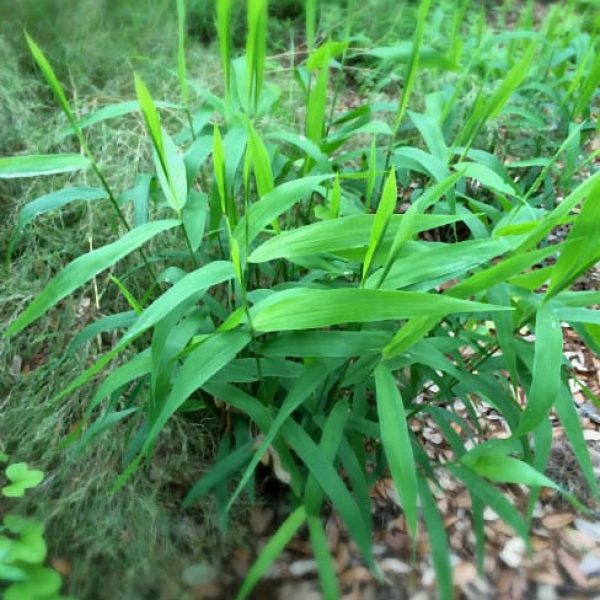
{"x":312,"y":308}
{"x":276,"y":202}
{"x":21,"y":478}
{"x":260,"y":161}
{"x":111,"y":111}
{"x":346,"y":233}
{"x":500,"y":272}
{"x":488,"y":178}
{"x":545,"y":386}
{"x":402,"y":53}
{"x":582,"y":249}
{"x":432,"y":134}
{"x":395,"y":437}
{"x":561,"y":211}
{"x":52,"y":201}
{"x":172,"y":173}
{"x":324,"y":344}
{"x":506,"y":469}
{"x":34,"y":165}
{"x":194,"y":217}
{"x":82,"y":269}
{"x":273,"y":548}
{"x":438,"y":263}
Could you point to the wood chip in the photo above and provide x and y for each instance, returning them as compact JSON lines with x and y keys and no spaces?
{"x":355,"y":575}
{"x":513,"y":552}
{"x":558,"y":521}
{"x":578,"y":540}
{"x":590,"y":565}
{"x":569,"y":564}
{"x":301,"y":568}
{"x":464,"y":573}
{"x":394,"y":566}
{"x":592,"y":529}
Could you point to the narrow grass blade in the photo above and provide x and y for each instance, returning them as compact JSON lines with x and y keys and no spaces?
{"x":82,"y":269}
{"x":316,"y":106}
{"x":335,"y":201}
{"x":413,"y":64}
{"x":221,"y":471}
{"x":545,"y":385}
{"x":325,"y":564}
{"x":224,"y":33}
{"x":395,"y":437}
{"x":191,"y":285}
{"x":199,"y":366}
{"x":493,"y":498}
{"x":138,"y":366}
{"x":385,"y":209}
{"x":151,"y":117}
{"x":256,"y":51}
{"x":310,"y":22}
{"x":34,"y":165}
{"x":300,"y":391}
{"x":273,"y":548}
{"x":333,"y":486}
{"x":438,"y":539}
{"x":571,"y":421}
{"x":181,"y":66}
{"x":52,"y":80}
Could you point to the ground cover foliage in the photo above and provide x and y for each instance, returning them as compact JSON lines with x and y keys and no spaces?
{"x":332,"y":244}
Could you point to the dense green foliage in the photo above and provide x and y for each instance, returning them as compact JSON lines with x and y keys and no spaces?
{"x":329,"y":279}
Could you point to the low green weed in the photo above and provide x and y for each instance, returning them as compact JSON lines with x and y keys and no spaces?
{"x":331,"y":284}
{"x":23,"y":550}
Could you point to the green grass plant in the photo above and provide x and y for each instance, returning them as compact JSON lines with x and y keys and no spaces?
{"x":276,"y":285}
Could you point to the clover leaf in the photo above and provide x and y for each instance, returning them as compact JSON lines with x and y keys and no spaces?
{"x":22,"y":478}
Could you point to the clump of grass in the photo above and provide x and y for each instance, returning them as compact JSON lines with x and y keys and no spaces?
{"x":283,"y":288}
